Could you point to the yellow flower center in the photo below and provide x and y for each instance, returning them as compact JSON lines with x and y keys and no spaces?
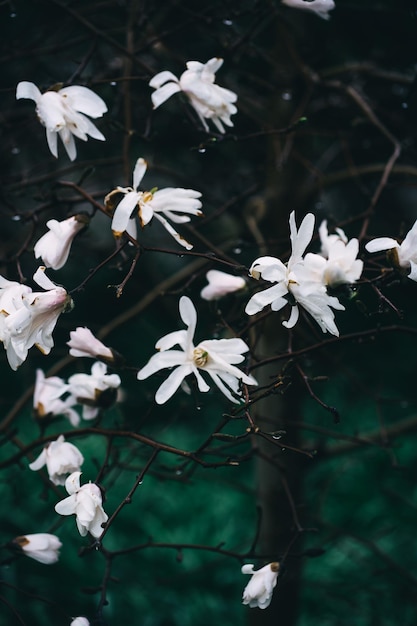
{"x":200,"y":357}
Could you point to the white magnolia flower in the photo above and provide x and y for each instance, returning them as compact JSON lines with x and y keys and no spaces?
{"x":47,"y":398}
{"x":80,"y":621}
{"x":258,"y":591}
{"x":208,"y":100}
{"x":220,"y":284}
{"x":404,"y":254}
{"x":83,"y":343}
{"x":61,"y":458}
{"x":54,"y":247}
{"x":216,"y":357}
{"x":88,"y":389}
{"x":340,"y":263}
{"x":319,"y":7}
{"x":298,"y":279}
{"x":171,"y":203}
{"x":63,"y":112}
{"x":42,"y":547}
{"x":31,"y":318}
{"x":86,"y":503}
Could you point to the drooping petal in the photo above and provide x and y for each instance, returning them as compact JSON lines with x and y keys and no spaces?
{"x":123,"y":212}
{"x":179,"y":238}
{"x":162,"y":94}
{"x":171,"y":384}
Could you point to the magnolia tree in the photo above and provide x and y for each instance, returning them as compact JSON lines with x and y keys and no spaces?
{"x":206,"y":304}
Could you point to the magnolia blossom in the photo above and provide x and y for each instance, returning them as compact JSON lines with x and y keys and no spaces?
{"x":63,"y":112}
{"x":403,"y":255}
{"x":42,"y":547}
{"x":220,"y":284}
{"x":258,"y":591}
{"x":61,"y":458}
{"x":28,"y":318}
{"x":83,"y":343}
{"x":171,"y":203}
{"x":297,"y":279}
{"x":47,"y":400}
{"x":80,"y":621}
{"x":340,"y":265}
{"x":319,"y":7}
{"x":54,"y":247}
{"x":86,"y":503}
{"x":90,"y":390}
{"x":208,"y":100}
{"x":216,"y":357}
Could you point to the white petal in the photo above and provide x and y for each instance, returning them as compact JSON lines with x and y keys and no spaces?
{"x":84,"y":100}
{"x":161,"y":361}
{"x":183,"y":242}
{"x":139,"y":172}
{"x":162,"y":94}
{"x":52,"y":139}
{"x":123,"y":212}
{"x":382,"y":243}
{"x":171,"y":384}
{"x":69,"y":143}
{"x":161,"y":78}
{"x":27,"y":90}
{"x":293,"y":319}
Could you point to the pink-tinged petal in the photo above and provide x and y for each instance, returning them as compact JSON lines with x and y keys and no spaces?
{"x":161,"y":78}
{"x":84,"y":100}
{"x":139,"y":172}
{"x":28,"y":91}
{"x":162,"y":94}
{"x":380,"y":244}
{"x":171,"y":384}
{"x":124,"y":211}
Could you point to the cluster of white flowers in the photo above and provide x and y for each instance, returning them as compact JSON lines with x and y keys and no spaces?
{"x":197,"y":82}
{"x":216,"y":357}
{"x":304,"y":279}
{"x":27,"y":317}
{"x":163,"y":204}
{"x":93,"y":391}
{"x":85,"y":502}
